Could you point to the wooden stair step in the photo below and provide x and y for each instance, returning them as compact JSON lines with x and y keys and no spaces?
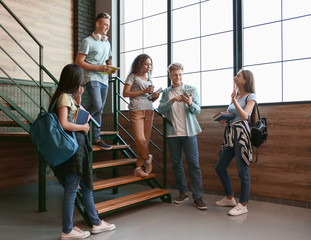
{"x":118,"y":181}
{"x":114,"y":147}
{"x":9,"y":106}
{"x":114,"y":163}
{"x":102,"y":133}
{"x":110,"y":205}
{"x":14,"y":134}
{"x":11,"y":123}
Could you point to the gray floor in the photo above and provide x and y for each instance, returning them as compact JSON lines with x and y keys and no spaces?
{"x":19,"y":219}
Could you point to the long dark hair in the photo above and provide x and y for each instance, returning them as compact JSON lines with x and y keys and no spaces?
{"x":139,"y":62}
{"x":70,"y":80}
{"x":250,"y":87}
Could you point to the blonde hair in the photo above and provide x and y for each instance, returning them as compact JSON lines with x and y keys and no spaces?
{"x":102,"y":15}
{"x":175,"y":66}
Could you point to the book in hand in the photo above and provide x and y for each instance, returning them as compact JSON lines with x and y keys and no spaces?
{"x":112,"y":70}
{"x":157,"y":91}
{"x":82,"y":116}
{"x":223,"y":116}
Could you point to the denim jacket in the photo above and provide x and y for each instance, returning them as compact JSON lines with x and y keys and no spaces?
{"x":165,"y":107}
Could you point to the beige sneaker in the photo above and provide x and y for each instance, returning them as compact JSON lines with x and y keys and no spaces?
{"x":148,"y":165}
{"x":225,"y":202}
{"x":238,"y":210}
{"x":102,"y":227}
{"x":139,"y":172}
{"x":76,"y":233}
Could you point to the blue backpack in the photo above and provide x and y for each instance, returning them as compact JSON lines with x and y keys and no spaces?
{"x":54,"y":144}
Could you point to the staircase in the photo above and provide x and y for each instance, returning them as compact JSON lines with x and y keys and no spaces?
{"x":123,"y":158}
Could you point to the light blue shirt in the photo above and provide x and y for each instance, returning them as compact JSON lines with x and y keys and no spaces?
{"x":97,"y":53}
{"x":165,"y":107}
{"x":241,"y":102}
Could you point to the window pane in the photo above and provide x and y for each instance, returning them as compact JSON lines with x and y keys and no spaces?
{"x":188,"y":53}
{"x":217,"y":87}
{"x":131,"y":36}
{"x":125,"y":67}
{"x":186,"y":23}
{"x":159,"y":58}
{"x":216,"y":16}
{"x":296,"y":80}
{"x":126,"y":63}
{"x":263,"y":11}
{"x":152,"y":35}
{"x":268,"y":82}
{"x":262,"y":44}
{"x":217,"y":51}
{"x":193,"y":79}
{"x":181,"y":3}
{"x":297,"y":38}
{"x":296,"y":8}
{"x":152,"y":7}
{"x":131,"y":10}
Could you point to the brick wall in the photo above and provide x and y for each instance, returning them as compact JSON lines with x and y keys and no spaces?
{"x":84,"y":21}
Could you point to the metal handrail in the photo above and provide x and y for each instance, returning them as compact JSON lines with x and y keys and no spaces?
{"x":40,"y":64}
{"x":117,"y":98}
{"x":20,"y":23}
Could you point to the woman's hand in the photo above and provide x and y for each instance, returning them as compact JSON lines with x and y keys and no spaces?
{"x":223,"y":122}
{"x":155,"y":96}
{"x":149,"y":89}
{"x":86,"y":128}
{"x":234,"y":92}
{"x":187,"y":98}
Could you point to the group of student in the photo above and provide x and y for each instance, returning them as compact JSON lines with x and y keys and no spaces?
{"x":84,"y":83}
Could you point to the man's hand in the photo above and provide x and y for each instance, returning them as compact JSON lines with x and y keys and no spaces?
{"x":104,"y":68}
{"x":187,"y":98}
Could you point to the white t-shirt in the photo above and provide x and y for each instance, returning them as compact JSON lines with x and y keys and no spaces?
{"x":178,"y":114}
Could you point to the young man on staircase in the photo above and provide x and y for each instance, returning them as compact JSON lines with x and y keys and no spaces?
{"x":94,"y":57}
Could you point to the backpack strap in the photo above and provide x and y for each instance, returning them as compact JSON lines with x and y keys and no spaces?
{"x":71,"y":118}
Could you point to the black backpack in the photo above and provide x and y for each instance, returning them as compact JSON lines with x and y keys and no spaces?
{"x":259,"y":130}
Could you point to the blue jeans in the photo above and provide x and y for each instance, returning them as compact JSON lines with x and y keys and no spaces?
{"x":93,"y":100}
{"x":70,"y":189}
{"x":224,"y":160}
{"x":190,"y":146}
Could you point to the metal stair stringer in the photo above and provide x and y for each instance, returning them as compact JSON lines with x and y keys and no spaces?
{"x":10,"y":114}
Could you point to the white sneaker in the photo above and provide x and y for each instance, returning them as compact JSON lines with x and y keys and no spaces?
{"x":139,"y":172}
{"x":76,"y":233}
{"x":103,"y":227}
{"x":225,"y":202}
{"x":238,"y":210}
{"x":148,"y":166}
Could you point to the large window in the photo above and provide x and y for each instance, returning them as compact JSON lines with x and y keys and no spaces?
{"x":144,"y":30}
{"x":276,"y":45}
{"x":277,"y":48}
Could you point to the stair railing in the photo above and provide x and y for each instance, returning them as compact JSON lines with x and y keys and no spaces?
{"x":39,"y":63}
{"x":117,"y":82}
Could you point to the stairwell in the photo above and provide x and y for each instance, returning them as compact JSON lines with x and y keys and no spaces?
{"x":15,"y":122}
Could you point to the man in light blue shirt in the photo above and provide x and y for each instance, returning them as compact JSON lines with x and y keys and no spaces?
{"x":94,"y":57}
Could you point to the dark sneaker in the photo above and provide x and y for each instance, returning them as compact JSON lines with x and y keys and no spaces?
{"x":199,"y":204}
{"x":181,"y":198}
{"x":102,"y":144}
